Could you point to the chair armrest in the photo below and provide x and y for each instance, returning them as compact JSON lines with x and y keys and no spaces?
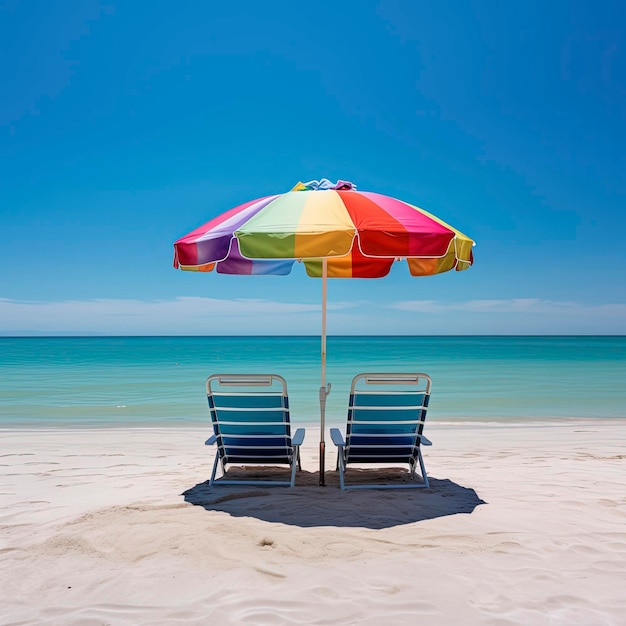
{"x":210,"y":441}
{"x":425,"y":441}
{"x":298,"y":437}
{"x":337,"y":437}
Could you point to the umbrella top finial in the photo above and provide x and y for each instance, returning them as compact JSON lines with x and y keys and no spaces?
{"x":324,"y":184}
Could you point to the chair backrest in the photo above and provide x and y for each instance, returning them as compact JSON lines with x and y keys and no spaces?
{"x":250,"y":417}
{"x":386,"y":417}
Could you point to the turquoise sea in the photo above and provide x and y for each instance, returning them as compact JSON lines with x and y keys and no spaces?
{"x":145,"y":381}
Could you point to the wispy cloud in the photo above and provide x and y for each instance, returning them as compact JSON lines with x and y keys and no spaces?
{"x":536,"y":306}
{"x":514,"y":316}
{"x":183,"y":315}
{"x":247,"y":316}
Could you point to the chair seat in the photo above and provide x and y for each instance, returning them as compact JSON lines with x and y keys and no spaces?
{"x":381,"y":456}
{"x":259,"y":460}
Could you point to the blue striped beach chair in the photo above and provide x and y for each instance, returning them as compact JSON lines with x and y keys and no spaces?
{"x":385,"y":424}
{"x":250,"y":418}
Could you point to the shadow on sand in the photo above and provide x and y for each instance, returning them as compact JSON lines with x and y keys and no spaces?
{"x":308,"y":505}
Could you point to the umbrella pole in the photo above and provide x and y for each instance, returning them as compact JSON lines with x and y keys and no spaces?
{"x":324,"y":391}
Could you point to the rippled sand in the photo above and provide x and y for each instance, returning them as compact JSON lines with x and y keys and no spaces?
{"x":523,"y":524}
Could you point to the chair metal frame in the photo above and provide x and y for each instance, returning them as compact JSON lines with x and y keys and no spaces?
{"x":236,"y":407}
{"x":365,"y":438}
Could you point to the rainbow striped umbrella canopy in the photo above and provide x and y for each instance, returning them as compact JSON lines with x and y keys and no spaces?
{"x":359,"y":234}
{"x":336,"y":231}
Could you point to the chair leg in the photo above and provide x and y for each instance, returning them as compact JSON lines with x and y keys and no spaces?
{"x":424,"y":475}
{"x":341,"y":467}
{"x":295,"y":463}
{"x":217,"y":458}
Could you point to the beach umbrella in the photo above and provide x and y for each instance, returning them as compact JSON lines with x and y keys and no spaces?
{"x":335,"y":231}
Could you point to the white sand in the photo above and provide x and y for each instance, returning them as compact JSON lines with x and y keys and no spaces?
{"x":522,"y":525}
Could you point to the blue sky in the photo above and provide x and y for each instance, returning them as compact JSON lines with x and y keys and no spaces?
{"x":125,"y":125}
